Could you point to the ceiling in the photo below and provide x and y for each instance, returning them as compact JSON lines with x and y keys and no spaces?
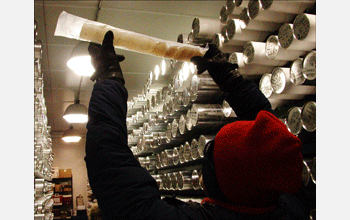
{"x":162,"y":19}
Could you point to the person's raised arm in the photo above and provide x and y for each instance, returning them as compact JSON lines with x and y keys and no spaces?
{"x":244,"y":96}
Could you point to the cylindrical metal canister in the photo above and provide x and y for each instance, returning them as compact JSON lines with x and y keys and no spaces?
{"x":181,"y":153}
{"x":195,"y":180}
{"x":249,"y":69}
{"x":202,"y":141}
{"x":38,"y":51}
{"x":256,"y":12}
{"x":309,"y":66}
{"x":305,"y":176}
{"x":308,"y":116}
{"x":313,"y":170}
{"x":187,"y":152}
{"x":226,"y":46}
{"x":304,"y":27}
{"x":184,"y":180}
{"x":206,"y":27}
{"x":293,"y":120}
{"x":247,"y":23}
{"x":176,"y":156}
{"x":282,"y":84}
{"x":254,"y":52}
{"x":293,"y":7}
{"x":194,"y":149}
{"x":288,"y":40}
{"x":275,"y":52}
{"x":182,"y":124}
{"x":235,"y":32}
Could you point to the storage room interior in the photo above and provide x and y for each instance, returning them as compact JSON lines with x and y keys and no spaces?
{"x":61,"y":87}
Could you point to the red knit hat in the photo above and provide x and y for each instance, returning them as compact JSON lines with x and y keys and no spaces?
{"x":254,"y":162}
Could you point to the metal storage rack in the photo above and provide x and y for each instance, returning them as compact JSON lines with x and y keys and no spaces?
{"x":178,"y":111}
{"x":43,"y":156}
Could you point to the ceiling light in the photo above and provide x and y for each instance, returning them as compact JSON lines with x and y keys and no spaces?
{"x":76,"y":113}
{"x":71,"y":135}
{"x":80,"y":60}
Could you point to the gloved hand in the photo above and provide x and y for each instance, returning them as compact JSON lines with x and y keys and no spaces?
{"x":222,"y":72}
{"x":105,"y":60}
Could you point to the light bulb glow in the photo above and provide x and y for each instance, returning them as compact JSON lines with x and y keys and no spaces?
{"x":156,"y":72}
{"x":163,"y":67}
{"x":71,"y":139}
{"x":185,"y":71}
{"x":81,"y":65}
{"x":76,"y":118}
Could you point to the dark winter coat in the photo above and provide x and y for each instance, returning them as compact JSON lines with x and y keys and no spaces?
{"x":125,"y":190}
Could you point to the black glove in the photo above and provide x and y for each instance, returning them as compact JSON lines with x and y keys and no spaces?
{"x":222,"y":72}
{"x":105,"y":60}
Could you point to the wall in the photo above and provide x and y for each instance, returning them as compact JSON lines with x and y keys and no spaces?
{"x":71,"y":156}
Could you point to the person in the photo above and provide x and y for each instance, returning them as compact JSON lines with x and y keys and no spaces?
{"x":251,"y":170}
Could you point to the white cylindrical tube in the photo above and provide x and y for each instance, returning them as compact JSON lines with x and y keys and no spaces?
{"x":275,"y":52}
{"x":309,"y":66}
{"x":288,"y":40}
{"x":247,"y":23}
{"x":282,"y":84}
{"x":186,"y":96}
{"x":266,"y":88}
{"x":254,"y":53}
{"x":293,"y":7}
{"x":308,"y":116}
{"x":235,"y":32}
{"x":183,"y":38}
{"x":293,"y":120}
{"x":256,"y":12}
{"x":249,"y":69}
{"x":202,"y":141}
{"x":296,"y":75}
{"x":304,"y":27}
{"x":173,"y":180}
{"x":195,"y":180}
{"x":83,"y":29}
{"x":197,"y":41}
{"x":206,"y":27}
{"x":194,"y":149}
{"x":229,"y":47}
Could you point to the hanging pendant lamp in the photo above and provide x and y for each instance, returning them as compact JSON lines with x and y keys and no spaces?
{"x":80,"y":60}
{"x":76,"y":113}
{"x":71,"y":135}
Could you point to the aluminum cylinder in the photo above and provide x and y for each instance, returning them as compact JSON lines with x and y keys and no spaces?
{"x":308,"y":116}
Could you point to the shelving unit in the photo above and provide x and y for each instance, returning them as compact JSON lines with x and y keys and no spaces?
{"x":63,"y":197}
{"x":177,"y":106}
{"x":43,"y":156}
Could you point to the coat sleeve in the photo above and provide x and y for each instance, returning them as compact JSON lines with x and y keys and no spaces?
{"x":123,"y":188}
{"x":246,"y":99}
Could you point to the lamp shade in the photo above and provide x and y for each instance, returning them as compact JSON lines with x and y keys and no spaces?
{"x":76,"y":113}
{"x":71,"y":135}
{"x":80,"y":60}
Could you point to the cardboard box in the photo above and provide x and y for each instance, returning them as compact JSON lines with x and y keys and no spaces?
{"x":66,"y":173}
{"x":55,"y":172}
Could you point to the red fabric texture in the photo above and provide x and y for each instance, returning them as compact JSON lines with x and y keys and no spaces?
{"x":255,"y":161}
